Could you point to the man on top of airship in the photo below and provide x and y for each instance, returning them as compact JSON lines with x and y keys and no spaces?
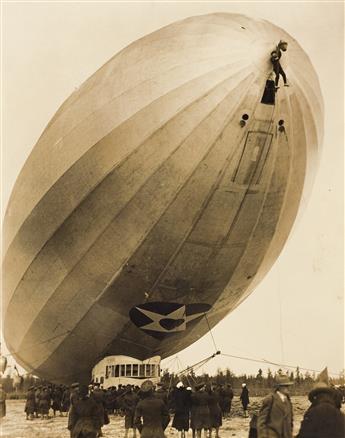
{"x":275,"y":59}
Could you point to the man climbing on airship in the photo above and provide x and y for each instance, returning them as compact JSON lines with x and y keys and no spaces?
{"x":275,"y":59}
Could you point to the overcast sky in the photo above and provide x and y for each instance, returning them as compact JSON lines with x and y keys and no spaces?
{"x":49,"y":49}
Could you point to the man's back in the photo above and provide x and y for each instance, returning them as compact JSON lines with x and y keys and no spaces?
{"x":155,"y":417}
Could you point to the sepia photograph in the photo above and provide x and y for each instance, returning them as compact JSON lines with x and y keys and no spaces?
{"x":172,"y":206}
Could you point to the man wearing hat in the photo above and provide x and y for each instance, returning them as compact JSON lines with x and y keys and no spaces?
{"x":74,"y":394}
{"x":99,"y":397}
{"x":244,"y":397}
{"x":30,"y":405}
{"x":275,"y":59}
{"x":83,"y":419}
{"x":200,"y":412}
{"x":151,"y":414}
{"x":129,"y":401}
{"x":275,"y":416}
{"x":323,"y":418}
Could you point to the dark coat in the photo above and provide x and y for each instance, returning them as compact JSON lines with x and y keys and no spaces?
{"x":323,"y":419}
{"x":244,"y":397}
{"x":162,"y":394}
{"x":99,"y":396}
{"x":44,"y":402}
{"x":275,"y":418}
{"x":30,"y":405}
{"x":56,"y":397}
{"x":181,"y":404}
{"x":200,"y":412}
{"x":155,"y":417}
{"x":128,"y":403}
{"x":66,"y":400}
{"x":215,"y":411}
{"x":83,"y":418}
{"x":2,"y":403}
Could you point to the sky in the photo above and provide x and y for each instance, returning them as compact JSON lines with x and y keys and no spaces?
{"x":296,"y":315}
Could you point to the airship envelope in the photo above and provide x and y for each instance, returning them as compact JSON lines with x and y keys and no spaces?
{"x":158,"y":196}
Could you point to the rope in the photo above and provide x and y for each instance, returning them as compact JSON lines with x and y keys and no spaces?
{"x":210,"y":330}
{"x":276,"y":364}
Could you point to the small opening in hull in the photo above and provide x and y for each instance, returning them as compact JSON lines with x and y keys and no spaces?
{"x":269,"y":96}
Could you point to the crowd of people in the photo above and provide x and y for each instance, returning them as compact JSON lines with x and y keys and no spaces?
{"x":204,"y":407}
{"x":148,"y":409}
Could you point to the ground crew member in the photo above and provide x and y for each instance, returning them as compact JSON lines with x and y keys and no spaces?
{"x":244,"y":397}
{"x":275,"y":416}
{"x":200,"y":412}
{"x":181,"y":402}
{"x":323,"y":418}
{"x":83,"y":418}
{"x":129,"y":402}
{"x":99,"y":397}
{"x":30,"y":405}
{"x":151,"y":414}
{"x":2,"y":402}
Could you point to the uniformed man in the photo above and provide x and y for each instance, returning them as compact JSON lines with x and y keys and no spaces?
{"x":129,"y":401}
{"x":74,"y":393}
{"x":2,"y":402}
{"x":83,"y":418}
{"x":99,"y":397}
{"x":30,"y":405}
{"x":151,"y":414}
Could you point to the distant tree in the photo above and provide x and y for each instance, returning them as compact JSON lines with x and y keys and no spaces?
{"x":270,"y":379}
{"x":259,"y":374}
{"x":298,"y":376}
{"x":229,"y":375}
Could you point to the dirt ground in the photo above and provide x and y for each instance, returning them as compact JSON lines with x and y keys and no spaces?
{"x":15,"y":425}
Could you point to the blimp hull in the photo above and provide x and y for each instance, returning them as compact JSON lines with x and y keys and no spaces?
{"x":158,"y":196}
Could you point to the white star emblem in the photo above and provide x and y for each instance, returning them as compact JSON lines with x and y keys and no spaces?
{"x":179,"y":315}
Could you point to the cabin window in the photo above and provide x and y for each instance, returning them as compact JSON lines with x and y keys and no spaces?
{"x":117,"y":371}
{"x":135,"y":370}
{"x":123,"y":370}
{"x":148,"y":370}
{"x":128,"y":370}
{"x":141,"y":370}
{"x":102,"y":380}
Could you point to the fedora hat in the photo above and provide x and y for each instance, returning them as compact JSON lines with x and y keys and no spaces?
{"x":283,"y":381}
{"x":147,"y":386}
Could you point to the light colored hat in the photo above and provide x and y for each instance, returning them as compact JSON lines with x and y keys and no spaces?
{"x":189,"y":388}
{"x":244,"y":385}
{"x":147,"y":386}
{"x":283,"y":381}
{"x":179,"y":385}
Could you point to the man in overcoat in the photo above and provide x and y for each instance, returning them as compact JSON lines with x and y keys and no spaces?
{"x":323,"y":418}
{"x":83,"y":418}
{"x":151,"y":414}
{"x":275,"y":418}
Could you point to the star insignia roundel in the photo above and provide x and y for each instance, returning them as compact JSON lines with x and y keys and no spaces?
{"x":161,"y":319}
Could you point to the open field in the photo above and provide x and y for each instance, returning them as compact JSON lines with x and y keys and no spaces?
{"x":15,"y":425}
